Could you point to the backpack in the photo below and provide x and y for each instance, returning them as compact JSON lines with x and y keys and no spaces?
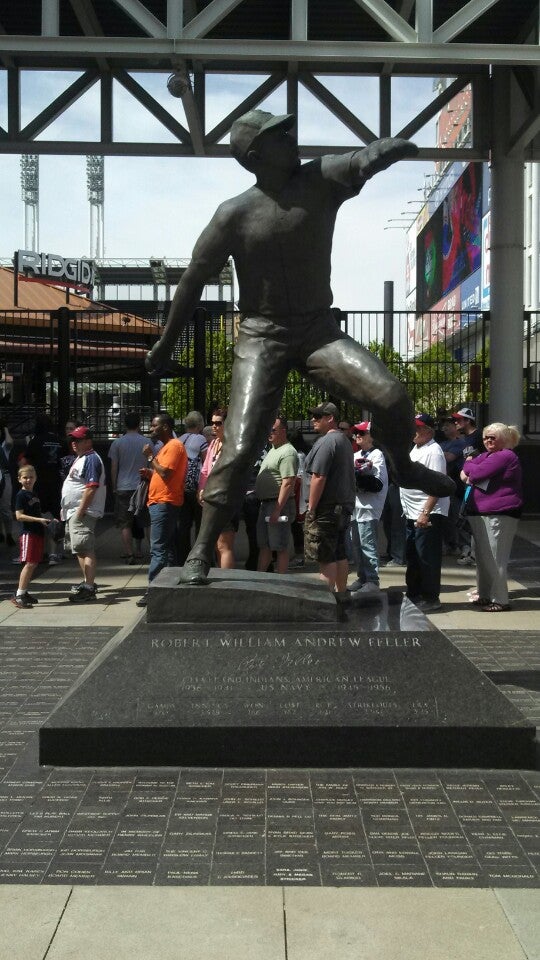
{"x":191,"y":483}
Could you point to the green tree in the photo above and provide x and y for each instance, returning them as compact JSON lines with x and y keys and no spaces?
{"x":177,"y":394}
{"x":439,"y":381}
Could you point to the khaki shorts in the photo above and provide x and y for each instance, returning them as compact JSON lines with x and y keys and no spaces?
{"x":82,"y":535}
{"x":275,"y":535}
{"x":122,"y":518}
{"x":324,"y":534}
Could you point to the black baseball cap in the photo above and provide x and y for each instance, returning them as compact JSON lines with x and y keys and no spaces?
{"x":324,"y":410}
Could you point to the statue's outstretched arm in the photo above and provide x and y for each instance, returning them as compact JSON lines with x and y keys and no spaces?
{"x":209,"y":256}
{"x":381,"y":154}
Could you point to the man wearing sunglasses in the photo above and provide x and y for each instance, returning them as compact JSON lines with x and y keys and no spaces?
{"x":280,"y":234}
{"x":332,"y":493}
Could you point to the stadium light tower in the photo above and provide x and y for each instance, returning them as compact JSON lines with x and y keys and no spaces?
{"x":95,"y":179}
{"x":30,"y":197}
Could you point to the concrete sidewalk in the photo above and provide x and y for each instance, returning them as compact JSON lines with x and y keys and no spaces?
{"x":57,"y":922}
{"x":121,"y":585}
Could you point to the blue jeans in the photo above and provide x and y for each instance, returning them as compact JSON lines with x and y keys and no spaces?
{"x":424,"y":559}
{"x":163,"y":520}
{"x":366,"y":549}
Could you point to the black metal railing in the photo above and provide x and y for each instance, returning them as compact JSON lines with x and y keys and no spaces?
{"x":89,"y":366}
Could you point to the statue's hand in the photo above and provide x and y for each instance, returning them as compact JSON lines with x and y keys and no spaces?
{"x":159,"y":360}
{"x":382,"y":154}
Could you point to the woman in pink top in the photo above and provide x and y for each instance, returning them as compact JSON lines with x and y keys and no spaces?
{"x":225,"y":541}
{"x":493,"y":508}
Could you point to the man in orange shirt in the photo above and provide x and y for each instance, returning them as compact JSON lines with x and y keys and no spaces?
{"x":166,"y":471}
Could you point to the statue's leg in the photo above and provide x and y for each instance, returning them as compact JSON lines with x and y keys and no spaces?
{"x":258,"y":379}
{"x":348,"y":371}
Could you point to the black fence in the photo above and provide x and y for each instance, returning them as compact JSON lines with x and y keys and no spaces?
{"x":89,"y":366}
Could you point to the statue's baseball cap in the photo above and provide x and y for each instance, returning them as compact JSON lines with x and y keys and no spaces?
{"x":424,"y":420}
{"x":246,"y":129}
{"x":464,"y":414}
{"x":324,"y":410}
{"x":81,"y":433}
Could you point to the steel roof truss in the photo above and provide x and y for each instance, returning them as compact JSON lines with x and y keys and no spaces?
{"x":194,"y":118}
{"x":59,"y":105}
{"x":142,"y":16}
{"x":262,"y":91}
{"x":383,"y":14}
{"x":205,"y":21}
{"x":50,"y":18}
{"x":525,"y":134}
{"x":152,"y":105}
{"x":424,"y":20}
{"x":434,"y":107}
{"x":462,"y":19}
{"x":337,"y":108}
{"x":87,"y":17}
{"x":175,"y":18}
{"x":299,"y":20}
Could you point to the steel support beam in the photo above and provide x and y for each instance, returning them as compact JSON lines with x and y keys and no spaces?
{"x":175,"y":18}
{"x":506,"y":266}
{"x":233,"y":55}
{"x":50,"y":18}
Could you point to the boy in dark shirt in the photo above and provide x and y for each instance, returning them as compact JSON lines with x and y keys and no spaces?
{"x":28,"y":512}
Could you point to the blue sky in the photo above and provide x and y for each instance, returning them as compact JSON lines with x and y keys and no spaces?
{"x":158,"y":206}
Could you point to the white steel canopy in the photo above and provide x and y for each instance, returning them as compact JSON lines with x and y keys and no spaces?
{"x":290,"y":42}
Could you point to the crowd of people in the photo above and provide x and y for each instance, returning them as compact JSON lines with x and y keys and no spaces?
{"x":332,"y":502}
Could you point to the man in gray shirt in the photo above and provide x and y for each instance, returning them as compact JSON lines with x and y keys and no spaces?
{"x":127,"y":458}
{"x":332,"y":493}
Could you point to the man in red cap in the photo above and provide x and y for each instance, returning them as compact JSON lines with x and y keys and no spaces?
{"x":280,"y":235}
{"x":83,"y":503}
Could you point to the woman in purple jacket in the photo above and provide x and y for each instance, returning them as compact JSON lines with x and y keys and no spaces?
{"x":493,"y":509}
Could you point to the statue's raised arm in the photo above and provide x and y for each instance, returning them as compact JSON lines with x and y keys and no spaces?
{"x":380,"y":155}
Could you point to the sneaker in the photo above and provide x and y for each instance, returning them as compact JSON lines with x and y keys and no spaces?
{"x":30,"y":597}
{"x":83,"y":595}
{"x":23,"y":602}
{"x":466,"y":560}
{"x":79,"y":586}
{"x":394,"y":563}
{"x":53,"y":559}
{"x":296,"y":562}
{"x":356,"y":586}
{"x":142,"y":601}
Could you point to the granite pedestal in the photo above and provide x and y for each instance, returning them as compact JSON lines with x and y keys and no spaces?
{"x":382,"y":688}
{"x":245,"y":595}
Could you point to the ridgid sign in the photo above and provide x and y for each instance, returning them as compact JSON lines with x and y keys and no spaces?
{"x":54,"y":269}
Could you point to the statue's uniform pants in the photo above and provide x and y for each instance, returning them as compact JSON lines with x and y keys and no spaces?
{"x":266,"y":350}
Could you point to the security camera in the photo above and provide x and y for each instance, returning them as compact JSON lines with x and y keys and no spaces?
{"x":178,"y":84}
